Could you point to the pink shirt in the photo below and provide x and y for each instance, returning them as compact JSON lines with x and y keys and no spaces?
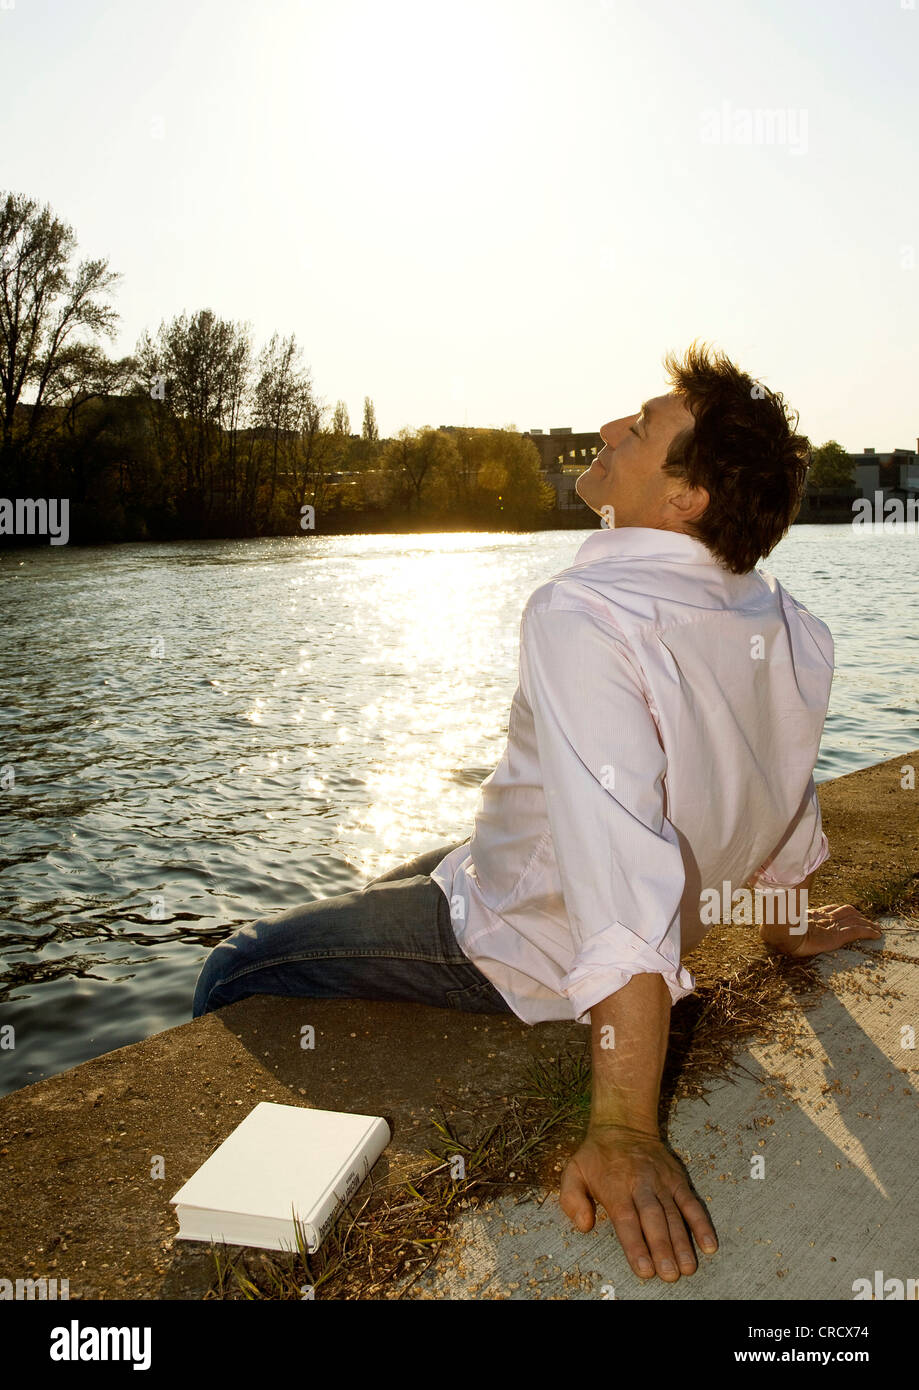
{"x":661,"y":741}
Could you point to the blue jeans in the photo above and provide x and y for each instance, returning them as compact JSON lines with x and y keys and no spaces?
{"x":392,"y":939}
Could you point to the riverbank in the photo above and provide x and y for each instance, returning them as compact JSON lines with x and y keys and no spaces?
{"x":86,"y":530}
{"x":90,"y":1158}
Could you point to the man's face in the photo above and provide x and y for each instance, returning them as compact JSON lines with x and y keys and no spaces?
{"x":626,"y":473}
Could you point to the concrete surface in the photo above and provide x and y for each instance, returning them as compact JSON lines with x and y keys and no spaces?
{"x":836,"y":1122}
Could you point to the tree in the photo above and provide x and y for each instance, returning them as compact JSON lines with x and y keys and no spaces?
{"x":96,"y":438}
{"x":44,"y":304}
{"x":456,"y":488}
{"x":302,"y":451}
{"x":197,"y":375}
{"x":831,"y":466}
{"x":414,"y":460}
{"x":369,"y":430}
{"x":278,"y":405}
{"x":500,"y":471}
{"x":85,"y":374}
{"x":341,"y":421}
{"x":313,"y":454}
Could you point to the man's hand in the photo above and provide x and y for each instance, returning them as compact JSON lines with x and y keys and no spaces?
{"x":646,"y":1193}
{"x":828,"y":928}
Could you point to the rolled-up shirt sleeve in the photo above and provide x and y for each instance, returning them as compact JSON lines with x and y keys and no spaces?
{"x":803,"y":848}
{"x":603,"y":770}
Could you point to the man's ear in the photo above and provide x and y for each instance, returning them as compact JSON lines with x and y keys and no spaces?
{"x":690,"y":503}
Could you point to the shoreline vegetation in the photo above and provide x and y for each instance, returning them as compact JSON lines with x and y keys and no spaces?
{"x":344,"y":525}
{"x":202,"y":435}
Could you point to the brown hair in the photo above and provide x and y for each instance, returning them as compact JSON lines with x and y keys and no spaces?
{"x":744,"y":450}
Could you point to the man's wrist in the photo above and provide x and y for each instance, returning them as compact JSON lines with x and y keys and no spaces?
{"x":611,"y":1127}
{"x":612,"y":1109}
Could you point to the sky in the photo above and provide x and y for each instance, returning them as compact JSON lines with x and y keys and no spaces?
{"x":497,"y":212}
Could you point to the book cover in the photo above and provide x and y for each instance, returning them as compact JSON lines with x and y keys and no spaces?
{"x":279,"y":1161}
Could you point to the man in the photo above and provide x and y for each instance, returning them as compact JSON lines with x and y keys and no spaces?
{"x":661,"y":743}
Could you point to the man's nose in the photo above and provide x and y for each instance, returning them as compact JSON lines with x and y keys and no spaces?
{"x":613,"y":432}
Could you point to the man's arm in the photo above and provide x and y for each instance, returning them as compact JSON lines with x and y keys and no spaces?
{"x":622,"y":877}
{"x":603,"y":772}
{"x":623,"y":1164}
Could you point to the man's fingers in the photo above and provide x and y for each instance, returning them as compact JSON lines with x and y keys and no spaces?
{"x":679,"y":1238}
{"x":845,"y":915}
{"x":656,"y":1229}
{"x":574,"y":1198}
{"x":695,"y":1213}
{"x":628,"y":1231}
{"x":860,"y":931}
{"x":837,"y":934}
{"x":833,"y":926}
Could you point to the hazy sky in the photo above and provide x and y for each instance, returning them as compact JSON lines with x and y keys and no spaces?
{"x":497,"y":212}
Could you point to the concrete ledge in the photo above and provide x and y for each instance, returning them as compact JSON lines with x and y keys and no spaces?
{"x":76,"y":1150}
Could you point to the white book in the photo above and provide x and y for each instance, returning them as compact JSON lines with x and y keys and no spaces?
{"x":283,"y":1165}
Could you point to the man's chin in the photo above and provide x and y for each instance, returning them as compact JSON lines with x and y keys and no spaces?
{"x":589,"y":493}
{"x":582,"y":485}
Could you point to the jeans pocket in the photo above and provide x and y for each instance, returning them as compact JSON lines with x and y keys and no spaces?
{"x":479,"y":998}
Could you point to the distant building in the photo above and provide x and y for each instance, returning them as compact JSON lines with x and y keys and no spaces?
{"x":562,"y":451}
{"x":895,"y":474}
{"x":564,"y":456}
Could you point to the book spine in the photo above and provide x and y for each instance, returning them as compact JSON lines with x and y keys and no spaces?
{"x":322,"y":1217}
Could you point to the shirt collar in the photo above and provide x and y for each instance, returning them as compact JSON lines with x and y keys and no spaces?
{"x":647,"y":542}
